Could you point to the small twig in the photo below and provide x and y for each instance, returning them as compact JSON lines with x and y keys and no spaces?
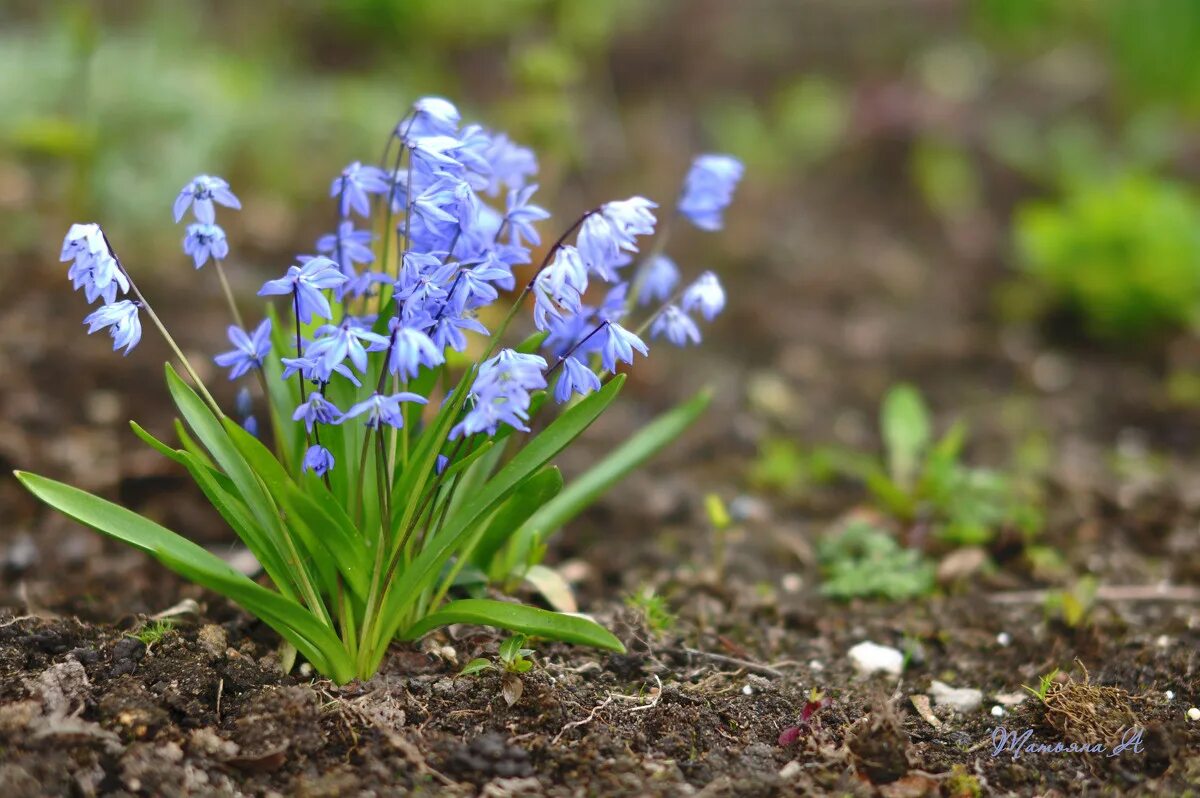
{"x":1160,"y":592}
{"x":591,"y":716}
{"x":220,"y":692}
{"x":18,"y":619}
{"x":754,"y":667}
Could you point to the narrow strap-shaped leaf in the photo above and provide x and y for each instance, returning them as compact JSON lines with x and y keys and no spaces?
{"x":536,"y":453}
{"x":284,"y":395}
{"x":512,"y":513}
{"x":331,"y":529}
{"x":597,"y":480}
{"x":292,"y":621}
{"x":532,"y":621}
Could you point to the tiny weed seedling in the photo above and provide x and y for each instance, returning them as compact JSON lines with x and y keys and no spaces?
{"x":153,"y":632}
{"x":397,"y":463}
{"x":719,"y":519}
{"x":1043,"y":687}
{"x":654,"y":611}
{"x":863,"y":561}
{"x":512,"y":660}
{"x":1072,"y":606}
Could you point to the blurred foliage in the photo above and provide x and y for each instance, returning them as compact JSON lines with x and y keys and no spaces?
{"x":863,"y":561}
{"x":920,"y":479}
{"x":1124,"y":254}
{"x":113,"y":107}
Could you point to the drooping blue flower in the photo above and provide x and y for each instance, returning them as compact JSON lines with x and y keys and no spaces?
{"x":307,"y":282}
{"x":250,"y":424}
{"x":411,"y":348}
{"x":520,"y":216}
{"x":432,"y":116}
{"x":706,"y":294}
{"x":318,"y":460}
{"x":630,"y":218}
{"x":447,"y":332}
{"x":316,"y":409}
{"x":501,"y":393}
{"x":381,"y":409}
{"x":248,"y":351}
{"x":575,"y":378}
{"x":617,"y":345}
{"x":354,"y":186}
{"x":708,"y":189}
{"x":660,"y":275}
{"x":676,"y":325}
{"x":313,"y":369}
{"x":441,"y":463}
{"x":200,"y":194}
{"x":347,"y":246}
{"x":204,"y":241}
{"x":606,"y":235}
{"x":121,"y":319}
{"x":244,"y":402}
{"x":94,"y":269}
{"x":512,"y":165}
{"x":333,"y":344}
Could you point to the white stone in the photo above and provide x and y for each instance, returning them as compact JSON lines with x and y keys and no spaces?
{"x":997,"y":711}
{"x":1194,"y":713}
{"x":1170,"y":694}
{"x":1004,"y":638}
{"x":869,"y":657}
{"x":815,"y":665}
{"x":960,"y":699}
{"x":747,"y":690}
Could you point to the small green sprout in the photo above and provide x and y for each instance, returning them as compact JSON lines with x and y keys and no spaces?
{"x":862,"y":560}
{"x":153,"y":632}
{"x":1074,"y":605}
{"x":513,"y":660}
{"x":654,"y":609}
{"x":1043,"y":687}
{"x":718,"y":517}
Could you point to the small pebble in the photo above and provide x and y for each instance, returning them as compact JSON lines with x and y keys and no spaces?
{"x":815,"y":666}
{"x":747,"y":690}
{"x":1004,"y":638}
{"x":1170,"y":694}
{"x":868,"y":657}
{"x":1163,"y":641}
{"x":792,"y":583}
{"x":1194,"y":713}
{"x":960,"y":699}
{"x":997,"y":711}
{"x":305,"y":670}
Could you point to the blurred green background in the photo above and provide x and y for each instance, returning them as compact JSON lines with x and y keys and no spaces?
{"x":1052,"y":137}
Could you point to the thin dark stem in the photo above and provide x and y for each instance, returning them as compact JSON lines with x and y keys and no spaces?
{"x":573,"y":349}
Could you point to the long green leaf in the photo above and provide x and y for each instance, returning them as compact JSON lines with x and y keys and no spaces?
{"x":601,"y":477}
{"x":293,"y":622}
{"x":532,"y":621}
{"x":536,"y":453}
{"x":533,"y":493}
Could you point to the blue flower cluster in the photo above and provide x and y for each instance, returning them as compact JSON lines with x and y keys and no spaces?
{"x":433,"y":236}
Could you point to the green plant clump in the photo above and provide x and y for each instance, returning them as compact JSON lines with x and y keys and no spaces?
{"x":863,"y":561}
{"x":1124,"y":255}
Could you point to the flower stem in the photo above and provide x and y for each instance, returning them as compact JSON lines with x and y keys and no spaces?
{"x":233,"y":308}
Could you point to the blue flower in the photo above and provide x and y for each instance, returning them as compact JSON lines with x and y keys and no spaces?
{"x":432,"y":116}
{"x":307,"y":283}
{"x":248,"y":351}
{"x":660,"y":275}
{"x":313,"y":369}
{"x":520,"y":216}
{"x":318,"y":460}
{"x":676,"y":325}
{"x":316,"y":410}
{"x":334,"y":344}
{"x":410,"y":349}
{"x":501,"y":393}
{"x":204,"y":241}
{"x":348,"y":246}
{"x":708,"y":189}
{"x":605,"y":235}
{"x":244,"y":403}
{"x":441,"y":463}
{"x":617,"y":345}
{"x":200,"y":194}
{"x":354,"y":185}
{"x":122,"y":320}
{"x":383,"y":409}
{"x":706,"y":294}
{"x":630,"y":218}
{"x":448,"y":331}
{"x":94,"y":269}
{"x":575,"y":378}
{"x":511,"y":164}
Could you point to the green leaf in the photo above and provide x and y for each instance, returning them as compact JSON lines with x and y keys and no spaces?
{"x":601,"y":477}
{"x":533,"y":493}
{"x":402,"y":592}
{"x":477,"y":665}
{"x":531,"y":621}
{"x":510,"y":649}
{"x":904,"y":423}
{"x":292,"y":621}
